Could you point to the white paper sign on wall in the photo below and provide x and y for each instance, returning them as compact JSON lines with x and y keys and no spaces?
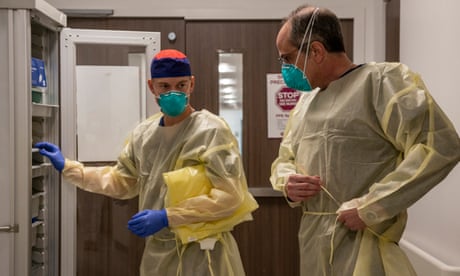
{"x":280,"y":101}
{"x":108,"y":108}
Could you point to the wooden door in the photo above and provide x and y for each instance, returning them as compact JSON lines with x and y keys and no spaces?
{"x":268,"y":245}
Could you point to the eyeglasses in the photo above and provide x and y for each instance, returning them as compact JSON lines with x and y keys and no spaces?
{"x":287,"y":58}
{"x":282,"y":60}
{"x":290,"y":57}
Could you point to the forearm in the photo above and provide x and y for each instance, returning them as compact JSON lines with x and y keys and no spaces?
{"x":102,"y":180}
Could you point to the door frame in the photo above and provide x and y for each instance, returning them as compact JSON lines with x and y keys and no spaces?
{"x":70,"y":38}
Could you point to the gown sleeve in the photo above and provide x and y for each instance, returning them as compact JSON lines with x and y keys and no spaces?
{"x":285,"y":164}
{"x":428,"y":143}
{"x":118,"y":181}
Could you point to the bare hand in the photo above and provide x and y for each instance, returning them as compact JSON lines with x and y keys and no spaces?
{"x":302,"y":187}
{"x":351,"y":219}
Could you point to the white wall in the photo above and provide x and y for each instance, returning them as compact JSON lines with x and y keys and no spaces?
{"x":368,"y":14}
{"x":429,"y":45}
{"x":207,"y":9}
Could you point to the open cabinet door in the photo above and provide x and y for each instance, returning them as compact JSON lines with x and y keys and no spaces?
{"x":104,"y":95}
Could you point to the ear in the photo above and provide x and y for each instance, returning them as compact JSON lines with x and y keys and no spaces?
{"x":318,"y":51}
{"x":192,"y":84}
{"x":150,"y":84}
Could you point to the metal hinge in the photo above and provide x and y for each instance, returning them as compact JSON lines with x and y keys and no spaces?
{"x":10,"y":228}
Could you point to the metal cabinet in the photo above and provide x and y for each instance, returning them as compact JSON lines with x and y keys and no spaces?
{"x":29,"y":30}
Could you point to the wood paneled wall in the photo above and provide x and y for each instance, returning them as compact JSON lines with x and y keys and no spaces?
{"x":256,"y":40}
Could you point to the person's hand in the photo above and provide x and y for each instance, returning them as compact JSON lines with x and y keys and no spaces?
{"x":302,"y":187}
{"x":148,"y":222}
{"x":53,"y":153}
{"x":351,"y":219}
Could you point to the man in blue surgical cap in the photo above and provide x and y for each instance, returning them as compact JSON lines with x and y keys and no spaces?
{"x":178,"y":137}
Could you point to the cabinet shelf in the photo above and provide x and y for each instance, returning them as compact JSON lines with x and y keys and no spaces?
{"x":40,"y":170}
{"x":43,"y":110}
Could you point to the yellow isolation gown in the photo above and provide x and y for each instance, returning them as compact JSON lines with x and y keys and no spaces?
{"x":379,"y":142}
{"x":202,"y":138}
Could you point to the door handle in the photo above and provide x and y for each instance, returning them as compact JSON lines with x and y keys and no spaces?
{"x":10,"y":228}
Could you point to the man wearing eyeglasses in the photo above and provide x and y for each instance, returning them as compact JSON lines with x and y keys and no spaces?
{"x":363,"y":144}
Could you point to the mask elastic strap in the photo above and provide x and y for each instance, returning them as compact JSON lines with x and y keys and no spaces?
{"x":309,"y":31}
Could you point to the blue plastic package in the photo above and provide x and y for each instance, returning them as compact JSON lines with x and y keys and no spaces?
{"x":38,"y":73}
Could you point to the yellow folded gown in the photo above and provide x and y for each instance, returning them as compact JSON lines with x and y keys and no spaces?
{"x":190,"y":182}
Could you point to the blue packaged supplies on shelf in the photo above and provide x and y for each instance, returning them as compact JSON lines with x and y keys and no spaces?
{"x":38,"y":73}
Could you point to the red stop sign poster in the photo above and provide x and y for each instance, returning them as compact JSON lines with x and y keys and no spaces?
{"x":286,"y":98}
{"x":280,"y":101}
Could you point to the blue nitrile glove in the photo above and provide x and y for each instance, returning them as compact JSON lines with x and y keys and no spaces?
{"x":148,"y":222}
{"x":53,"y":153}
